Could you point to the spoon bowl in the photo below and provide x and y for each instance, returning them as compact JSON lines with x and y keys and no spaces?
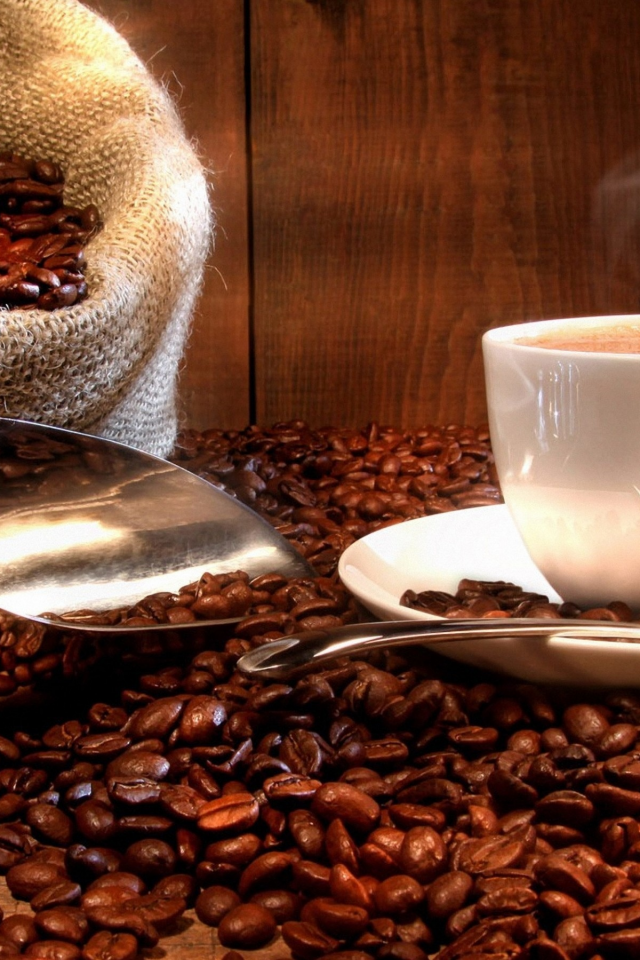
{"x":92,"y":524}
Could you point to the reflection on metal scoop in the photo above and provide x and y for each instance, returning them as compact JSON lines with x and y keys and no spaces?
{"x":88,"y":523}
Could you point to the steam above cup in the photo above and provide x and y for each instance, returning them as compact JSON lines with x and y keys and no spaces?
{"x":564,"y":416}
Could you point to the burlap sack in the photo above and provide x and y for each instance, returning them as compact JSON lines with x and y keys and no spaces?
{"x":72,"y":91}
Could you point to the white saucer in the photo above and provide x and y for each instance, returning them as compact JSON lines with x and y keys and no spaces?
{"x":436,"y":552}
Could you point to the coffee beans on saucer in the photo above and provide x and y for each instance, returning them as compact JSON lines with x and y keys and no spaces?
{"x":490,"y":599}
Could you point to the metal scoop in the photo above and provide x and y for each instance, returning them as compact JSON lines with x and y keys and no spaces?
{"x":285,"y":658}
{"x":88,"y":523}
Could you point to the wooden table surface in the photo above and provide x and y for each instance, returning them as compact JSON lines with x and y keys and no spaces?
{"x":191,"y":940}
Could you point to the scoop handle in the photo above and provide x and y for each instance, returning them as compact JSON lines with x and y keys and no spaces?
{"x":300,"y":653}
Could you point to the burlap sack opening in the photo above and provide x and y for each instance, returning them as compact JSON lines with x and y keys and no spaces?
{"x":73,"y":91}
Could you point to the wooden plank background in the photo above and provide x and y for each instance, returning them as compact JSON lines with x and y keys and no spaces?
{"x":196,"y":50}
{"x":415,"y":171}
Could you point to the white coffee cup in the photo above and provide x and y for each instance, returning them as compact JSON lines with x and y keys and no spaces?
{"x":565,"y":430}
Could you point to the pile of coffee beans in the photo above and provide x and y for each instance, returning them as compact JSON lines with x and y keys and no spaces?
{"x":42,"y":240}
{"x":32,"y":652}
{"x":394,"y":807}
{"x":374,"y":809}
{"x":325,"y":488}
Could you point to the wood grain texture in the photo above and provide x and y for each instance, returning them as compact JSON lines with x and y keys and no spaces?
{"x":424,"y":170}
{"x":196,"y":49}
{"x":417,"y":171}
{"x":189,"y":940}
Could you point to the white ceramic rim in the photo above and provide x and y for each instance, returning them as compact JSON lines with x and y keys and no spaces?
{"x":509,"y":335}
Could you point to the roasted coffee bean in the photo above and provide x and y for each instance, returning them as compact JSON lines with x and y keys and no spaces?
{"x":95,"y":821}
{"x":614,"y":914}
{"x":160,"y":911}
{"x":560,"y":905}
{"x":585,"y":724}
{"x":177,"y":886}
{"x":398,"y":895}
{"x":623,"y":770}
{"x":151,"y":859}
{"x":156,"y":719}
{"x":340,"y":846}
{"x":567,"y":807}
{"x":117,"y":878}
{"x":101,"y":746}
{"x":8,"y":948}
{"x":272,"y":868}
{"x":474,"y":739}
{"x":358,"y":811}
{"x":345,"y":887}
{"x":447,"y":894}
{"x":283,"y":905}
{"x":120,"y":919}
{"x":20,"y":929}
{"x":61,"y":893}
{"x":481,"y":856}
{"x":423,"y":854}
{"x":213,"y":903}
{"x":616,"y":739}
{"x":573,"y":935}
{"x":105,"y":945}
{"x":507,"y":902}
{"x":53,"y":950}
{"x":415,"y":931}
{"x":614,"y":801}
{"x":137,"y":763}
{"x":133,"y":791}
{"x":399,"y":950}
{"x":234,"y":812}
{"x":287,"y":788}
{"x":307,"y":832}
{"x":113,"y":895}
{"x":554,"y":872}
{"x":50,"y":824}
{"x":201,"y":718}
{"x":63,"y":923}
{"x":31,"y":876}
{"x":86,"y":863}
{"x":374,"y":859}
{"x":407,"y":815}
{"x":306,"y":940}
{"x":238,"y":851}
{"x":340,"y":920}
{"x":247,"y":926}
{"x":436,"y":790}
{"x":311,"y":878}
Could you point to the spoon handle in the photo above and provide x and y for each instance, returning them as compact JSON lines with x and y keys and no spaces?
{"x":281,"y":659}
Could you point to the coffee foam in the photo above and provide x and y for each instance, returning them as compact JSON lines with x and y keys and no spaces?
{"x":620,"y":338}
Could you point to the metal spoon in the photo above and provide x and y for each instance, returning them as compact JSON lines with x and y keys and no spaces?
{"x":89,"y":523}
{"x":299,"y":653}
